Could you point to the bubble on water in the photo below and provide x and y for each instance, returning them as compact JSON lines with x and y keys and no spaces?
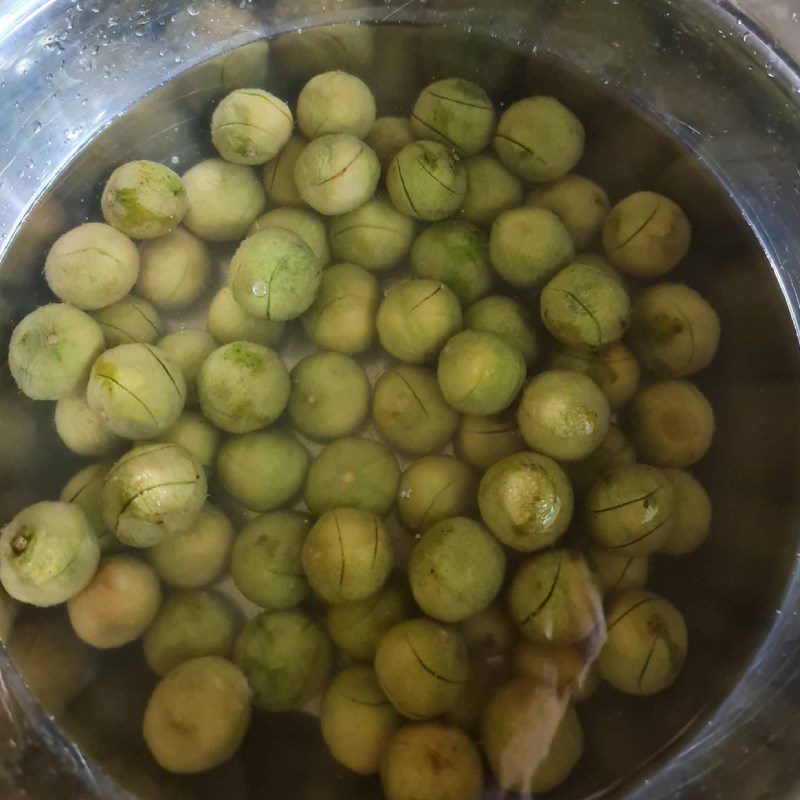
{"x":260,"y":289}
{"x":175,"y":160}
{"x":406,"y":494}
{"x":192,"y":11}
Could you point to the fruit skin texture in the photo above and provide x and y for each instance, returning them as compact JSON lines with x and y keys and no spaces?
{"x":432,"y":761}
{"x":456,"y":569}
{"x":48,"y":553}
{"x":137,"y":391}
{"x":153,"y":491}
{"x":198,"y":715}
{"x":52,"y":350}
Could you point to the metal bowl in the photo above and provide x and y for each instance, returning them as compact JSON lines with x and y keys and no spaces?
{"x":685,"y":97}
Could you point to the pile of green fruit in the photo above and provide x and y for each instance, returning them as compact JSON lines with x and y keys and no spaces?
{"x":528,"y":548}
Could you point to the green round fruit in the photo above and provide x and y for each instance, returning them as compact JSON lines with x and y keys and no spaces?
{"x":375,"y":236}
{"x":645,"y":646}
{"x":431,"y":761}
{"x":347,"y":555}
{"x":479,"y":373}
{"x":262,"y":470}
{"x":243,"y":387}
{"x":433,"y":489}
{"x":335,"y":102}
{"x":416,"y":318}
{"x":228,"y":322}
{"x":266,"y":563}
{"x":507,"y":319}
{"x":279,"y":174}
{"x":422,"y":667}
{"x":250,"y":126}
{"x":427,"y":181}
{"x":286,"y":658}
{"x":615,"y":450}
{"x":491,"y":189}
{"x":672,"y":424}
{"x":674,"y":331}
{"x":336,"y":173}
{"x":85,"y":490}
{"x":646,"y":235}
{"x":353,"y":473}
{"x":526,"y":501}
{"x":128,"y":321}
{"x":357,"y":628}
{"x":193,"y":432}
{"x":144,"y":199}
{"x":456,"y":569}
{"x":48,"y":553}
{"x":454,"y":253}
{"x":630,"y":510}
{"x":152,"y":492}
{"x":189,"y":625}
{"x":188,"y":349}
{"x":342,"y":317}
{"x":275,"y":275}
{"x":614,"y":369}
{"x":455,"y":112}
{"x":175,"y":270}
{"x":197,"y":556}
{"x":692,"y":513}
{"x":82,"y":429}
{"x":553,"y":598}
{"x":617,"y":573}
{"x":584,"y":307}
{"x":388,"y":136}
{"x":579,"y":203}
{"x":481,"y":439}
{"x":198,"y":715}
{"x":563,"y":415}
{"x":306,"y":224}
{"x":539,"y":139}
{"x":52,"y":350}
{"x":224,"y":200}
{"x":92,"y":266}
{"x":137,"y":391}
{"x":329,"y":397}
{"x":527,"y":246}
{"x":410,"y":411}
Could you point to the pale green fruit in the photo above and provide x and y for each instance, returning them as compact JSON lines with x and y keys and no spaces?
{"x":129,"y":320}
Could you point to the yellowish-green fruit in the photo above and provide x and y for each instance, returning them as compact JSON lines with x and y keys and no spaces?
{"x":347,"y":555}
{"x":563,"y":415}
{"x":266,"y":564}
{"x":48,"y":553}
{"x":456,"y":569}
{"x":578,"y":202}
{"x":286,"y":658}
{"x":136,"y":390}
{"x":224,"y":200}
{"x":539,"y":139}
{"x":531,"y":737}
{"x":198,"y":715}
{"x":197,"y":556}
{"x":335,"y":102}
{"x":692,"y":512}
{"x":672,"y":424}
{"x":615,"y":450}
{"x":129,"y":320}
{"x":189,"y":625}
{"x":483,"y":439}
{"x":144,"y":199}
{"x":507,"y":319}
{"x":491,"y":189}
{"x":250,"y":126}
{"x":432,"y":761}
{"x":117,"y":606}
{"x":422,"y":667}
{"x":52,"y":350}
{"x":617,"y":573}
{"x":92,"y":266}
{"x":82,"y":429}
{"x":357,"y":720}
{"x":646,"y":235}
{"x":630,"y":510}
{"x":490,"y":632}
{"x":228,"y":322}
{"x":85,"y":489}
{"x":646,"y":643}
{"x":526,"y":501}
{"x":388,"y":136}
{"x":309,"y":226}
{"x":188,"y":349}
{"x":175,"y":270}
{"x":554,"y":598}
{"x":193,"y":432}
{"x":152,"y":492}
{"x":357,"y":628}
{"x":279,"y":174}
